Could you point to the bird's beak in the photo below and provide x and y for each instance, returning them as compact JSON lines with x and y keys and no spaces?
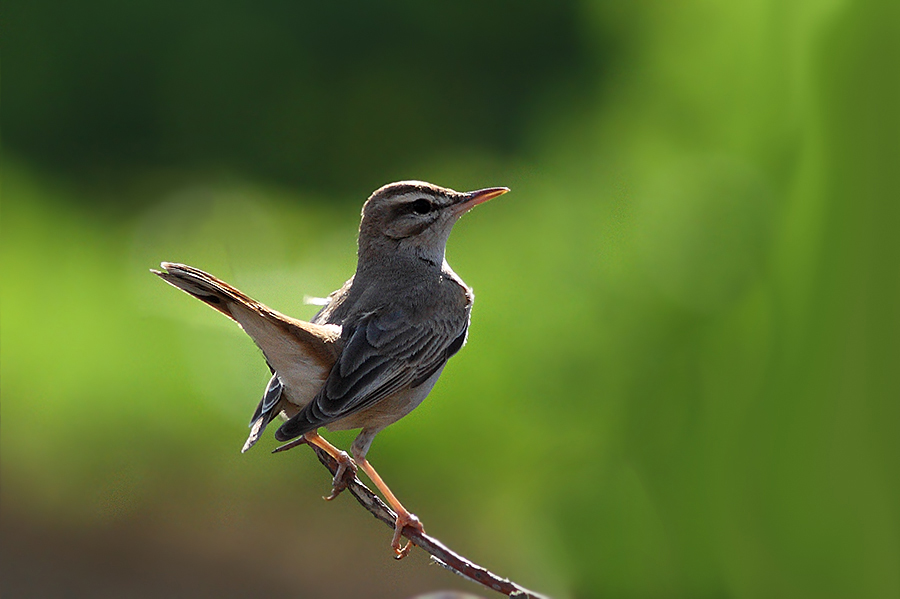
{"x":469,"y":200}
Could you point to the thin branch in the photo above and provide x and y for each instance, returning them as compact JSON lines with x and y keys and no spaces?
{"x":439,"y":552}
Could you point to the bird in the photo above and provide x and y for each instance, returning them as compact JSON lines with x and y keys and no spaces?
{"x":377,"y":346}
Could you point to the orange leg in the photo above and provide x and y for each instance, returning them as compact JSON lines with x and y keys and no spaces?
{"x":341,"y":457}
{"x":404,"y":518}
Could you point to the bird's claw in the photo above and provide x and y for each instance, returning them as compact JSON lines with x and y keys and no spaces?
{"x":341,"y":480}
{"x":404,"y":519}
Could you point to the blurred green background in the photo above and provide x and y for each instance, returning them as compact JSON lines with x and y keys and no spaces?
{"x":683,"y":371}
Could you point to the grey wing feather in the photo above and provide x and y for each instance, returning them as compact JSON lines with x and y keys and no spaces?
{"x":270,"y":398}
{"x":266,"y":411}
{"x":382,"y":355}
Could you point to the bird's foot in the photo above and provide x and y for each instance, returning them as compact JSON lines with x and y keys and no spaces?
{"x":404,"y":519}
{"x":343,"y":476}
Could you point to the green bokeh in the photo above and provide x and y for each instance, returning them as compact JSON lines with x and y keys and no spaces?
{"x":683,"y":371}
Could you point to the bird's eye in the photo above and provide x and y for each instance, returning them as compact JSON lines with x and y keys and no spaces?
{"x":422,"y":206}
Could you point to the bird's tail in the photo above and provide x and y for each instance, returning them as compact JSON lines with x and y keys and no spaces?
{"x":300,"y":354}
{"x":301,"y":351}
{"x":212,"y":291}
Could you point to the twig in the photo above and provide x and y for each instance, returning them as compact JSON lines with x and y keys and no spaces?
{"x":439,"y":552}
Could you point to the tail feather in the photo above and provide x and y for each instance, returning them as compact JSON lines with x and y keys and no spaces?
{"x":213,"y":292}
{"x":302,"y":353}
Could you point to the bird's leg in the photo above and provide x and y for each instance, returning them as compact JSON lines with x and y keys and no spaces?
{"x":343,"y":459}
{"x":404,"y":517}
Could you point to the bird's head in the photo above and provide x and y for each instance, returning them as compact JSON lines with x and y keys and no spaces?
{"x":415,"y":217}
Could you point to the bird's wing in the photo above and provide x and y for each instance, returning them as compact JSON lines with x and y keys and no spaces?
{"x":302,"y":353}
{"x":382,"y":354}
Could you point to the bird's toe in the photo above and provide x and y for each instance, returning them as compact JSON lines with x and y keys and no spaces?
{"x":404,"y":519}
{"x":343,"y":476}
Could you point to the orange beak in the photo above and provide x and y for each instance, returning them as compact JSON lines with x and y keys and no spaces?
{"x":473,"y":198}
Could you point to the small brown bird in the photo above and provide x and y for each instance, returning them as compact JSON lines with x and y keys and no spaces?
{"x":379,"y":344}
